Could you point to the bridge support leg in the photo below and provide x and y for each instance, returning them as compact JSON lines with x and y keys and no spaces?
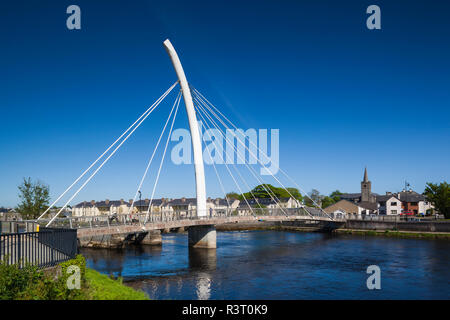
{"x":202,"y":237}
{"x":153,"y":237}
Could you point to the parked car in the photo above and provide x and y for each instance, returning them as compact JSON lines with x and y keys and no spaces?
{"x":407,"y":213}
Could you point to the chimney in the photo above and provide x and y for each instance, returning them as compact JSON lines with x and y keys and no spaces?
{"x":93,"y":202}
{"x":209,"y":199}
{"x":107,"y":201}
{"x":388,"y":193}
{"x":130,"y":201}
{"x":147,"y":201}
{"x":121,"y":201}
{"x":183,"y":199}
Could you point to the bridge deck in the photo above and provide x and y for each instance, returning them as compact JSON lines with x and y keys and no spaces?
{"x":133,"y":228}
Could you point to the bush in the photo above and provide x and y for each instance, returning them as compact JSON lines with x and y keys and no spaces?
{"x":29,"y":283}
{"x":80,"y":262}
{"x":63,"y":292}
{"x":15,"y":282}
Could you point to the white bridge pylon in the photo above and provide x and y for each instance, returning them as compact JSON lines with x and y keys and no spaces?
{"x":196,"y":104}
{"x":193,"y":127}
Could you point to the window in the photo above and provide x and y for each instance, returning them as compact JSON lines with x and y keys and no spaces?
{"x":394,"y":203}
{"x":393,"y":211}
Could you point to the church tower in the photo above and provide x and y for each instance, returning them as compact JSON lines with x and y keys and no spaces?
{"x":366,"y":188}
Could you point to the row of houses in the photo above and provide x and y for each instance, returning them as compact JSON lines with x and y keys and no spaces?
{"x":9,"y":214}
{"x":367,"y":202}
{"x":214,"y":206}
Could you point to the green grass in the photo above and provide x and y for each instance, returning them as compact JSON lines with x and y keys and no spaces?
{"x":30,"y":283}
{"x":101,"y":287}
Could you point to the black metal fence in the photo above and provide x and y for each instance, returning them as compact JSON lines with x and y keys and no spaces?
{"x":45,"y":248}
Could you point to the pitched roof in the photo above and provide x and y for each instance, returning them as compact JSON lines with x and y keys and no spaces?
{"x":355,"y":195}
{"x":385,"y":198}
{"x":344,"y":201}
{"x":350,"y":196}
{"x":146,"y":202}
{"x":367,"y":205}
{"x":183,"y":201}
{"x":410,"y":196}
{"x":110,"y":203}
{"x":221,"y":202}
{"x":84,"y":204}
{"x":101,"y":204}
{"x":244,"y":205}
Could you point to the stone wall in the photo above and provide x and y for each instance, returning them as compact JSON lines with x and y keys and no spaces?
{"x":152,"y":237}
{"x":420,"y":226}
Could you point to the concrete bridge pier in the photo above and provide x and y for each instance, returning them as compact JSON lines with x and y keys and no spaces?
{"x":152,"y":237}
{"x":181,"y":230}
{"x":202,"y":237}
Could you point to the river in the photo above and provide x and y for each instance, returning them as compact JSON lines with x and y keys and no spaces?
{"x":282,"y":265}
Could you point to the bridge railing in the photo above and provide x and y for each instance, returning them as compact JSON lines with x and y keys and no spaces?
{"x":162,"y":216}
{"x":45,"y":248}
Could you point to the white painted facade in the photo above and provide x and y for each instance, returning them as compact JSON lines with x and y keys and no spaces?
{"x":392,"y":206}
{"x":93,"y":208}
{"x":424,"y":206}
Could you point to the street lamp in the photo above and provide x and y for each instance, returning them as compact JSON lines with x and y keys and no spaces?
{"x":140,"y":201}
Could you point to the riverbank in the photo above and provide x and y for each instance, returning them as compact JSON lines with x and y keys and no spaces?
{"x":277,"y":226}
{"x":396,"y":234}
{"x":102,"y":287}
{"x":30,"y":283}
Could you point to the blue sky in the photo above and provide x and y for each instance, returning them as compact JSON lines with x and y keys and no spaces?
{"x":344,"y":97}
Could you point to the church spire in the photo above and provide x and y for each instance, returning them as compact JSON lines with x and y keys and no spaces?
{"x":366,"y":179}
{"x":366,"y":189}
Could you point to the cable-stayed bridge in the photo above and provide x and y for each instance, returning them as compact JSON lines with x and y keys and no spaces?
{"x":200,"y":222}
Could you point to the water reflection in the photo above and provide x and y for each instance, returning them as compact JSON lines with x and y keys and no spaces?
{"x":113,"y":261}
{"x":203,"y":260}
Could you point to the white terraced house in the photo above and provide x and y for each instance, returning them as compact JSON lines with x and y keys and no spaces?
{"x":97,"y":208}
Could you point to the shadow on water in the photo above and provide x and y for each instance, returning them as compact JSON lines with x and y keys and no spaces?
{"x":114,"y":261}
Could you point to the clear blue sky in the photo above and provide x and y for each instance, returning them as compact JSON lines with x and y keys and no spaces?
{"x":343,"y":97}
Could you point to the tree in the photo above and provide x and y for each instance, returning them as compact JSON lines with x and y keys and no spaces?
{"x":439,"y":196}
{"x":266,"y":191}
{"x":295,"y":193}
{"x":327,"y":201}
{"x":313,"y":198}
{"x":336,"y":195}
{"x":233,"y":195}
{"x":35,"y":197}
